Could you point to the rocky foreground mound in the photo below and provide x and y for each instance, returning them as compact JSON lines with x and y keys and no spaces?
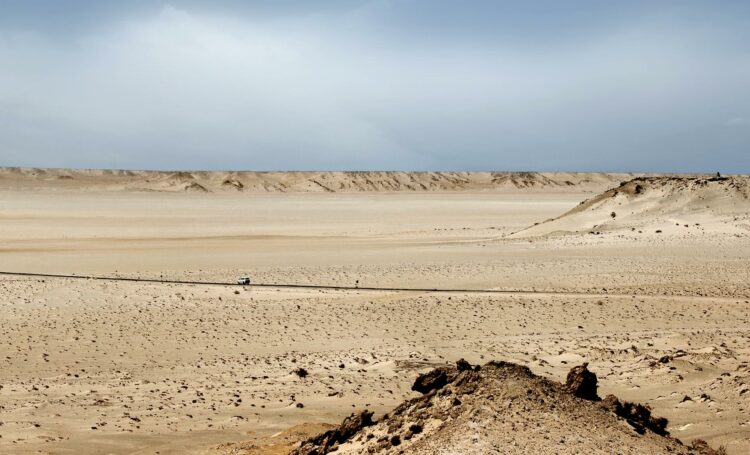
{"x":504,"y":408}
{"x":286,"y":182}
{"x":663,"y":204}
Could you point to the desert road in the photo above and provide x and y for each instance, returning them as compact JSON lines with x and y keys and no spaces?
{"x":354,"y":288}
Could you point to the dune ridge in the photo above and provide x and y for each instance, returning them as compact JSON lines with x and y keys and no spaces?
{"x":663,"y":204}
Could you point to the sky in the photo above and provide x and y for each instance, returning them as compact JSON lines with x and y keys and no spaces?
{"x":579,"y":85}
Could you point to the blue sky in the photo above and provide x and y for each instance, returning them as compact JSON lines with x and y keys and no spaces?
{"x":376,"y":84}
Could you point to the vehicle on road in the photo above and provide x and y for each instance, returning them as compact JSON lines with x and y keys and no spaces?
{"x":243,"y":280}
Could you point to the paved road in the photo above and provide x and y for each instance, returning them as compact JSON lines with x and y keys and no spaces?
{"x":361,"y":288}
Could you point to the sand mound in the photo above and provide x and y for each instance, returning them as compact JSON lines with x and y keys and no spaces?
{"x":503,"y":408}
{"x":234,"y":184}
{"x":297,"y":182}
{"x":526,"y":180}
{"x":194,"y":187}
{"x":664,"y":204}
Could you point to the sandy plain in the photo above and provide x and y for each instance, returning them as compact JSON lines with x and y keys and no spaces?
{"x":99,"y":367}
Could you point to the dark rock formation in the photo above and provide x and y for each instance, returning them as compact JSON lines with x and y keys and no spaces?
{"x":324,"y":442}
{"x":432,"y":380}
{"x":637,"y":415}
{"x":582,"y":383}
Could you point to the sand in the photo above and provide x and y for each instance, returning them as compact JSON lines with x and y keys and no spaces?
{"x":99,"y":367}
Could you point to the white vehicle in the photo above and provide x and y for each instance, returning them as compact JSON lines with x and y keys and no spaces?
{"x":243,"y":280}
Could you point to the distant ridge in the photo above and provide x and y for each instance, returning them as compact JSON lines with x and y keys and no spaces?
{"x":302,"y":182}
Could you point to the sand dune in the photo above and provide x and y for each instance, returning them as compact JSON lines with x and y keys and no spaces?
{"x":659,"y":205}
{"x":295,"y":182}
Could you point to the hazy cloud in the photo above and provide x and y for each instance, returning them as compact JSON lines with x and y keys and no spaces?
{"x":377,"y":85}
{"x":739,"y":121}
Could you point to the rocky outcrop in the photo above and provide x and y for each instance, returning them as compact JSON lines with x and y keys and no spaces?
{"x":504,"y":408}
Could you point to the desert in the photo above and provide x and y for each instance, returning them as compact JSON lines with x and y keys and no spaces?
{"x":374,"y":227}
{"x":357,"y":289}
